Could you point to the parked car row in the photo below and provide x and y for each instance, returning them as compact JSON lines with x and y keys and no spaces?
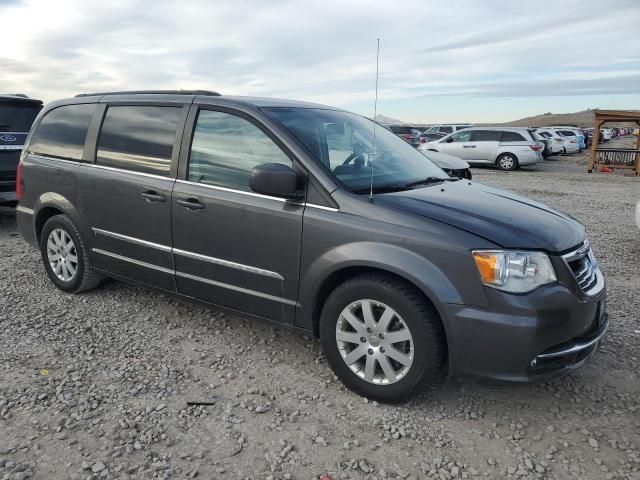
{"x":506,"y":147}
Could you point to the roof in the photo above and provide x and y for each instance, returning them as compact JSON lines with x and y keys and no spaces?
{"x":188,"y":96}
{"x":19,"y":98}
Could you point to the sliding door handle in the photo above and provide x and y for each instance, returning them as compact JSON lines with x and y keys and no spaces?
{"x":190,"y":203}
{"x":153,"y":197}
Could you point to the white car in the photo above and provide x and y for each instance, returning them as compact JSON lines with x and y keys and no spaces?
{"x":571,"y":144}
{"x":506,"y":147}
{"x":453,"y":166}
{"x":448,"y":128}
{"x":606,"y":133}
{"x":555,"y":141}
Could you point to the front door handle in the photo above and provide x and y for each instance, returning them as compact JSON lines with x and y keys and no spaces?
{"x":190,"y":203}
{"x":153,"y":196}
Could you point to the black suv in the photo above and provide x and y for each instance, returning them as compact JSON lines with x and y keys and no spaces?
{"x":17,"y":113}
{"x":314,"y":218}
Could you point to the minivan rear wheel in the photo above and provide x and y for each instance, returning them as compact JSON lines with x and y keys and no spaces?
{"x":65,"y":257}
{"x":507,"y":162}
{"x":382,"y":337}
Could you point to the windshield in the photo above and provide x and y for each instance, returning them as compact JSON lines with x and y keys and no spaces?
{"x":17,"y":118}
{"x":342,"y":143}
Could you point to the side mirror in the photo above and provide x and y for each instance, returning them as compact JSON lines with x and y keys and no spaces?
{"x":275,"y":179}
{"x":449,"y":140}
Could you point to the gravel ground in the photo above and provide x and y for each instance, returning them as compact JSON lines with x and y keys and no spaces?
{"x":96,"y":385}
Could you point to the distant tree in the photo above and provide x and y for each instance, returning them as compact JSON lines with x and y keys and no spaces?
{"x":548,"y":113}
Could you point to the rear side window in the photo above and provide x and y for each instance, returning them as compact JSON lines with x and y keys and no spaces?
{"x":17,"y":117}
{"x":138,"y":138}
{"x":485,"y":136}
{"x":62,"y":132}
{"x":446,"y":129}
{"x":512,"y":137}
{"x":568,"y":133}
{"x":225,"y":148}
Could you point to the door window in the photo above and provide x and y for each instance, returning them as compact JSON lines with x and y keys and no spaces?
{"x":512,"y":137}
{"x":225,"y":148}
{"x":62,"y":132}
{"x":138,"y":138}
{"x":485,"y":136}
{"x":446,"y":129}
{"x":462,"y":136}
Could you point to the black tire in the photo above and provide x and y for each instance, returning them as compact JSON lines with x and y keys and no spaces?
{"x":84,"y":278}
{"x":503,"y":164}
{"x":419,"y":316}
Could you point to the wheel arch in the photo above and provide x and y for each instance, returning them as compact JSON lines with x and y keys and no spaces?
{"x":365,"y":258}
{"x":50,"y":204}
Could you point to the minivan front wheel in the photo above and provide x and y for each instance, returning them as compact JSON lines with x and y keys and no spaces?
{"x":65,"y":257}
{"x":382,"y":337}
{"x":507,"y":162}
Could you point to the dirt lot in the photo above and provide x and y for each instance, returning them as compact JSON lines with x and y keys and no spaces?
{"x":97,"y":385}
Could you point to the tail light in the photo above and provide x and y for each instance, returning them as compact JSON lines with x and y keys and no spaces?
{"x":535,"y":148}
{"x":18,"y":180}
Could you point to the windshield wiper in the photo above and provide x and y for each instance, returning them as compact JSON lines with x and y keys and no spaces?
{"x":381,"y":189}
{"x":429,"y":180}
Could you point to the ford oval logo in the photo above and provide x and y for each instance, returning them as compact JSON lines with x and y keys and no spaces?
{"x":7,"y":138}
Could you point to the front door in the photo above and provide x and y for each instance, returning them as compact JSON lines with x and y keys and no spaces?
{"x":459,"y":146}
{"x":485,"y":146}
{"x":125,"y":197}
{"x":233,"y":247}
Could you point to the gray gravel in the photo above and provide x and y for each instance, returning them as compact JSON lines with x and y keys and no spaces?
{"x":96,"y":385}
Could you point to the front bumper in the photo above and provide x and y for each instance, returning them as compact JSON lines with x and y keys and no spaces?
{"x":525,"y":338}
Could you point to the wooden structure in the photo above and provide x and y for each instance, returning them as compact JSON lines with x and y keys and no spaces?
{"x":614,"y":158}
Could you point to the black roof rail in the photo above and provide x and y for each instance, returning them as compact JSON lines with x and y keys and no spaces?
{"x":156,"y":92}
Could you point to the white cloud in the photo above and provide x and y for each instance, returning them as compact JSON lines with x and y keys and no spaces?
{"x":321,"y":51}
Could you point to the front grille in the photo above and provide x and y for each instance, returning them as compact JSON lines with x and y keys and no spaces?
{"x":584,"y":267}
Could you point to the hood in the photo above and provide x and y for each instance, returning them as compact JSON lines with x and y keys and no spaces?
{"x":445,"y":161}
{"x":501,"y":217}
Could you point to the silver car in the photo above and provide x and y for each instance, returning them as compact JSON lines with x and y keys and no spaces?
{"x":507,"y":148}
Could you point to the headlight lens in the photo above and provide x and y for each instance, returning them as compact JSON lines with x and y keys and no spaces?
{"x":516,"y":272}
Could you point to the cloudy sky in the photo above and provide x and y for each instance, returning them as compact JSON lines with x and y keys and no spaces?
{"x":441,"y":60}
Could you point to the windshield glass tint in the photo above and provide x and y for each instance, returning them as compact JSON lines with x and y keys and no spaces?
{"x":342,"y":143}
{"x":17,"y":118}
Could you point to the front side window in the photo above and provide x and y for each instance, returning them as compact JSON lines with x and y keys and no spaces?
{"x":138,"y":138}
{"x":226,"y":148}
{"x":463,"y":136}
{"x":343,"y":144}
{"x":63,"y":131}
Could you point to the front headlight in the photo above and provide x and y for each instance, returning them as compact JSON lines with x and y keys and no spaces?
{"x":516,"y":272}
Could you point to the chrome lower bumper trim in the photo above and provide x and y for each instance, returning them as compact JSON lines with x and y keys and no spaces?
{"x":577,"y":347}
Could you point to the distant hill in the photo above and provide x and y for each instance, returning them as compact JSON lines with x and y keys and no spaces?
{"x":581,"y":119}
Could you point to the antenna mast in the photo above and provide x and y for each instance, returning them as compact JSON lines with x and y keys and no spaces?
{"x":375,"y":114}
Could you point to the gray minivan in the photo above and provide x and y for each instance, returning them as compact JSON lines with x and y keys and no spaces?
{"x":317,"y":219}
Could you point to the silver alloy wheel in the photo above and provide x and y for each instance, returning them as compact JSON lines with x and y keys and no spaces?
{"x":374,"y":342}
{"x":62,"y":255}
{"x":507,"y":162}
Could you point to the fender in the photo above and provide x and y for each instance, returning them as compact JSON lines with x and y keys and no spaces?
{"x":391,"y":258}
{"x":59,"y":202}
